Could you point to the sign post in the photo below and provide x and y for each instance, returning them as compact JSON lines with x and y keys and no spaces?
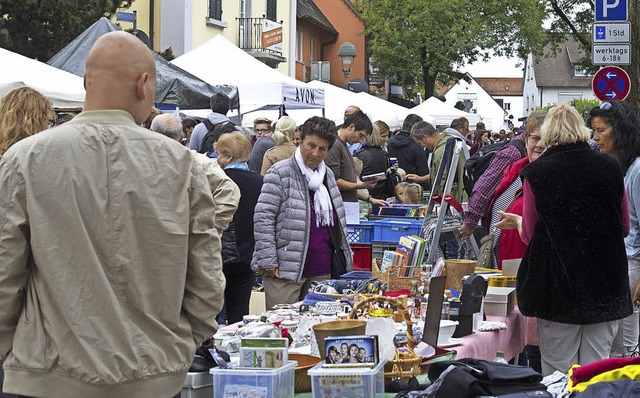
{"x":611,"y":83}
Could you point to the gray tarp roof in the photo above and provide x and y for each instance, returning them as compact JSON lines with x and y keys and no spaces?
{"x":175,"y":86}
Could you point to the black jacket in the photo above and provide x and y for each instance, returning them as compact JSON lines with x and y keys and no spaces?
{"x":575,"y":268}
{"x":374,"y":160}
{"x":411,"y":157}
{"x":240,"y":231}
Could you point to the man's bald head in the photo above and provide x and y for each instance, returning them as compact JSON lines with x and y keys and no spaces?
{"x":120,"y":74}
{"x":167,"y":124}
{"x":351,"y":109}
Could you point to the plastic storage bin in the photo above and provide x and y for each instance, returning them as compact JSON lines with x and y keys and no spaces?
{"x":243,"y":382}
{"x":378,"y":248}
{"x":361,"y":256}
{"x":197,"y":385}
{"x":390,"y":230}
{"x":360,"y":233}
{"x":347,"y":382}
{"x":356,"y":275}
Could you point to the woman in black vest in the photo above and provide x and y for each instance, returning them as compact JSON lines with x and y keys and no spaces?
{"x":573,"y":276}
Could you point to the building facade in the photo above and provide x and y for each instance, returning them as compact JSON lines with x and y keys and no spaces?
{"x":184,"y":24}
{"x":555,"y":78}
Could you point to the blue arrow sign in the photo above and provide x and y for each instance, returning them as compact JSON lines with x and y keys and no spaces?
{"x":611,"y":10}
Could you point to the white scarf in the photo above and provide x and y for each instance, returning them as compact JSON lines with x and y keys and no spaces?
{"x":321,"y":199}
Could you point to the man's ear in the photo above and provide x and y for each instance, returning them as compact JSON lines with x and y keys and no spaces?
{"x":141,"y":83}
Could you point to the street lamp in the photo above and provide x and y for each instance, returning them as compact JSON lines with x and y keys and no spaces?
{"x":347,"y":53}
{"x":409,"y":82}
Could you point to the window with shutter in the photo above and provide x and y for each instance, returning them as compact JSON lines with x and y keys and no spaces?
{"x":272,"y":10}
{"x":215,"y":9}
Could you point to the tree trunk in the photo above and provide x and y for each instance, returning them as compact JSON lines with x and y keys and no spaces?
{"x":428,"y":80}
{"x":634,"y":69}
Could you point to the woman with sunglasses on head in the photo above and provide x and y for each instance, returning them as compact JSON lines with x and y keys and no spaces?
{"x":616,"y":132}
{"x":23,"y":113}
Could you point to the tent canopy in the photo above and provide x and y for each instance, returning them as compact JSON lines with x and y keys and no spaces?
{"x":441,"y":113}
{"x":65,"y":90}
{"x":174,"y":87}
{"x":218,"y":61}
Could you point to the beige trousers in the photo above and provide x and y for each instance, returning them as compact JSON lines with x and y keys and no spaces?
{"x":284,"y":291}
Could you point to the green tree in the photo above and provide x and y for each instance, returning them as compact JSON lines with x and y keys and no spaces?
{"x":429,"y":39}
{"x":39,"y":29}
{"x":576,"y":16}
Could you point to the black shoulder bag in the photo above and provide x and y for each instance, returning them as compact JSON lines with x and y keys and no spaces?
{"x":338,"y":259}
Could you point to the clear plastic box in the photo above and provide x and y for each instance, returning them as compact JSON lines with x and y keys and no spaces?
{"x":347,"y":382}
{"x":246,"y":382}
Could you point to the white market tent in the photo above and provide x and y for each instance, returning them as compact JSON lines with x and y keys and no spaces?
{"x":441,"y":113}
{"x":64,"y":89}
{"x":338,"y":99}
{"x":218,"y":61}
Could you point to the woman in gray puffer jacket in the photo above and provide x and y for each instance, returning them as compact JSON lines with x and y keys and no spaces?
{"x":299,"y":206}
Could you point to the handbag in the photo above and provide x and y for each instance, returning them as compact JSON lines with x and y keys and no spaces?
{"x":392,"y":179}
{"x":338,"y":259}
{"x":485,"y":254}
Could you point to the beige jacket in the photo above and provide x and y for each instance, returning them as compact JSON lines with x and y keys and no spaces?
{"x":225,"y":192}
{"x":110,"y":261}
{"x":276,"y":154}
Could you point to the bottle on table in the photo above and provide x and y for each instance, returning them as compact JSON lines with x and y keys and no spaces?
{"x":500,"y":357}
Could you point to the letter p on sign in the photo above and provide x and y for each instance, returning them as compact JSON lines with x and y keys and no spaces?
{"x":611,"y":10}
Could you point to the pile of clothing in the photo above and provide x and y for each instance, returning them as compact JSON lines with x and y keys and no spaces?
{"x":613,"y":377}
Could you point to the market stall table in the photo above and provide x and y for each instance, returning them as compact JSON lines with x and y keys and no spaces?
{"x":484,"y":345}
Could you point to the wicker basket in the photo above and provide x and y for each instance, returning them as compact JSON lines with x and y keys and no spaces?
{"x":391,"y":278}
{"x":404,"y":364}
{"x":302,"y":379}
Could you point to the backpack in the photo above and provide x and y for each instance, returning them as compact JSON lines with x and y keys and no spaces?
{"x":477,"y":164}
{"x":212,"y":135}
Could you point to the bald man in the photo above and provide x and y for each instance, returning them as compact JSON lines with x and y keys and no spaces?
{"x":110,"y":269}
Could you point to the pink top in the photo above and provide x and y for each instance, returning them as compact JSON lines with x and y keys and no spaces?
{"x":530,"y":214}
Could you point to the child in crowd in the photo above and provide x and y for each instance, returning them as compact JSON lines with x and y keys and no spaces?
{"x":412,"y":194}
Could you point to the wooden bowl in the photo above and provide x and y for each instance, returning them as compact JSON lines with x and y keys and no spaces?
{"x":302,"y":379}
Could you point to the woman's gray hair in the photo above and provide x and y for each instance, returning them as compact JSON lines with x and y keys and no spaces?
{"x":563,"y":125}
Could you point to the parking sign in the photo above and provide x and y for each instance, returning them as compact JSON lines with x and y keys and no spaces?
{"x":611,"y":10}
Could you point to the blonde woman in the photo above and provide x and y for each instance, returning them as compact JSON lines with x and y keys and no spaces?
{"x":283,"y":134}
{"x":374,"y":158}
{"x":573,"y":276}
{"x":23,"y":112}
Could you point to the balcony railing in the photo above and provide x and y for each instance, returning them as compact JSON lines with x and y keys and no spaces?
{"x":250,"y":35}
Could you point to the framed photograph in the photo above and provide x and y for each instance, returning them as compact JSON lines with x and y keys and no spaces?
{"x":348,"y":351}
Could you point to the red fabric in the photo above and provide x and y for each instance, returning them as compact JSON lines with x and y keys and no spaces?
{"x":586,"y":372}
{"x":511,"y":245}
{"x":511,"y":172}
{"x":405,"y":292}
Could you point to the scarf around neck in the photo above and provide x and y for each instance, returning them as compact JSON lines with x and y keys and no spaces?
{"x":321,"y":199}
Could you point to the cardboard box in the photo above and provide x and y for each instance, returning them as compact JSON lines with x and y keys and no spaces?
{"x":499,"y":300}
